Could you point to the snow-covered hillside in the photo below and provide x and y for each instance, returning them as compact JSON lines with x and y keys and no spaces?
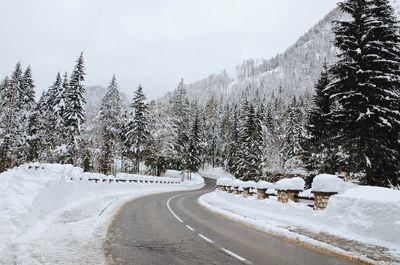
{"x":293,"y":72}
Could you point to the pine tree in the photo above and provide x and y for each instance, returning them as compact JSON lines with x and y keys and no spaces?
{"x":57,"y":93}
{"x":234,"y":142}
{"x":27,"y":93}
{"x":34,"y":141}
{"x":10,"y":125}
{"x":160,"y":150}
{"x":223,"y":136}
{"x":73,"y":115}
{"x":250,"y":156}
{"x":194,"y":150}
{"x":180,"y":113}
{"x":365,"y":87}
{"x":319,"y":154}
{"x":109,"y":119}
{"x":293,"y":132}
{"x":137,"y":129}
{"x":212,"y":128}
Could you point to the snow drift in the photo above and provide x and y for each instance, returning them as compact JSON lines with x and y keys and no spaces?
{"x":49,"y":215}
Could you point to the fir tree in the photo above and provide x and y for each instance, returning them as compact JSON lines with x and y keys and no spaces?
{"x":365,"y":86}
{"x":234,"y":142}
{"x":293,"y":132}
{"x":160,"y":149}
{"x":194,"y":150}
{"x":73,"y":115}
{"x":319,"y":154}
{"x":109,"y":118}
{"x":137,"y":128}
{"x":211,"y":127}
{"x":250,"y":153}
{"x":180,"y":112}
{"x":27,"y":93}
{"x":11,"y":126}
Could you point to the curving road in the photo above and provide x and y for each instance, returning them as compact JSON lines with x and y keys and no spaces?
{"x":172,"y":228}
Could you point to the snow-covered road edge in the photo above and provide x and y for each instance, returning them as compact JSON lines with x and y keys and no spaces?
{"x":75,"y":233}
{"x":51,"y":214}
{"x":281,"y":232}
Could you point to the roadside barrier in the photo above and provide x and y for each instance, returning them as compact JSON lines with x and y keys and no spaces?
{"x":127,"y":178}
{"x":263,"y":190}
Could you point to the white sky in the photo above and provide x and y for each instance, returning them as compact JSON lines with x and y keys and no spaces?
{"x":152,"y":42}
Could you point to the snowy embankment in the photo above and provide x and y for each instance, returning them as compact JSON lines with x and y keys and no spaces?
{"x":48,"y":215}
{"x":370,"y":215}
{"x":215,"y":173}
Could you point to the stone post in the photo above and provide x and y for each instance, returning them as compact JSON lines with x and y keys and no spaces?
{"x":321,"y":199}
{"x":261,"y":194}
{"x":285,"y":195}
{"x":246,"y":192}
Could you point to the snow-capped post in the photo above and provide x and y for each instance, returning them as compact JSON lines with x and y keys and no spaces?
{"x":220,"y":184}
{"x":229,"y":184}
{"x":246,"y":188}
{"x":223,"y":183}
{"x":237,"y":184}
{"x":289,"y":188}
{"x":262,"y":187}
{"x":323,"y":187}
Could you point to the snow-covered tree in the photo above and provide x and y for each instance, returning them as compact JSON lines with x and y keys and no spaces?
{"x":11,"y":137}
{"x":194,"y":150}
{"x":181,"y":119}
{"x":73,"y":112}
{"x":109,"y":119}
{"x":365,"y":85}
{"x":137,"y":130}
{"x":160,"y":151}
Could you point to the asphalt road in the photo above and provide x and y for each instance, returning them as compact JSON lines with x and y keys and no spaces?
{"x":172,"y":228}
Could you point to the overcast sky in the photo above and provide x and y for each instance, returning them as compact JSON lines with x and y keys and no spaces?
{"x":152,"y":42}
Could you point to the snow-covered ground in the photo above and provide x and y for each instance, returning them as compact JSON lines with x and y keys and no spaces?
{"x":47,"y":218}
{"x":215,"y":173}
{"x":368,"y":217}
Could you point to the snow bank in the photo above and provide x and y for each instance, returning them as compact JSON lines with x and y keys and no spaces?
{"x":295,"y":183}
{"x":366,"y":210}
{"x":328,"y":183}
{"x":262,"y":184}
{"x":216,"y":173}
{"x":366,"y":214}
{"x":33,"y":194}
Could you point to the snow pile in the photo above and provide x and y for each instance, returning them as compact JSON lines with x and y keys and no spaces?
{"x":262,"y":184}
{"x":249,"y":184}
{"x":52,"y":214}
{"x":216,"y":173}
{"x":295,"y":183}
{"x":367,"y":210}
{"x":328,"y":183}
{"x":237,"y":183}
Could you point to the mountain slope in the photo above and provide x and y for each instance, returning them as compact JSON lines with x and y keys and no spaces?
{"x":291,"y":72}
